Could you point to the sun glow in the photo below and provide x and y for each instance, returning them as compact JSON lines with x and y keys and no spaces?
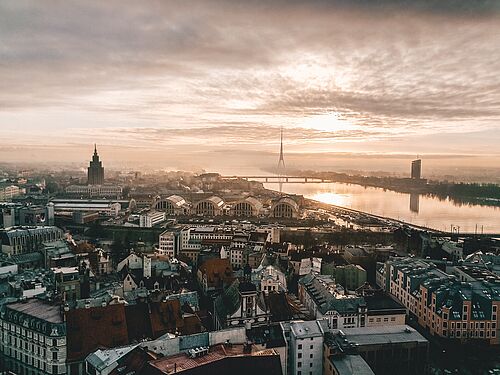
{"x":329,"y":122}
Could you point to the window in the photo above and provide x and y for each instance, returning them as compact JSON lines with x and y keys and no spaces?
{"x":311,"y":347}
{"x":299,"y":364}
{"x":300,"y":346}
{"x":310,"y":356}
{"x":299,"y":355}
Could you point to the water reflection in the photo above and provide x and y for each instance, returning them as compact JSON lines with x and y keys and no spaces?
{"x":424,"y":210}
{"x":414,"y":202}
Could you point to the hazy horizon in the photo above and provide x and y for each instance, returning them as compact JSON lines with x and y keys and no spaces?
{"x":207,"y":85}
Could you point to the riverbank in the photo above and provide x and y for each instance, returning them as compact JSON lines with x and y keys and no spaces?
{"x":424,"y":212}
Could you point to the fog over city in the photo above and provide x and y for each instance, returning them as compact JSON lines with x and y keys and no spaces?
{"x":355,"y":84}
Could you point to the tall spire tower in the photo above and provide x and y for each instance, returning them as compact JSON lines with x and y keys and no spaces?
{"x":95,"y":172}
{"x":281,"y":162}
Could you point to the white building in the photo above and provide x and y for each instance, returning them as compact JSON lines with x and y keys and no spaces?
{"x":151,"y":219}
{"x":170,"y":242}
{"x":95,"y":190}
{"x":269,"y":279}
{"x":102,"y":206}
{"x":305,"y":347}
{"x":133,"y":262}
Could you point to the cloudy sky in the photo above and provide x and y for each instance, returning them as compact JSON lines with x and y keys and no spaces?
{"x":209,"y":83}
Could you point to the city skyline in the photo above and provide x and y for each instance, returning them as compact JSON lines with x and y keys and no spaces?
{"x":343,"y":80}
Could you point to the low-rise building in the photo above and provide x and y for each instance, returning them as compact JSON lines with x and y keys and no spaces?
{"x":151,"y":219}
{"x":173,"y":205}
{"x":390,"y":350}
{"x":106,"y":190}
{"x":102,"y":206}
{"x":28,"y":239}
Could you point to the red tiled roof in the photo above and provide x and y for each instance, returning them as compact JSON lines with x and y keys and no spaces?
{"x":117,"y":325}
{"x":218,"y":271}
{"x":89,"y":329}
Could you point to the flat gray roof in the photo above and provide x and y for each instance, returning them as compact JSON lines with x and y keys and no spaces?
{"x":383,"y":335}
{"x":39,"y":309}
{"x":306,"y":329}
{"x":351,"y":365}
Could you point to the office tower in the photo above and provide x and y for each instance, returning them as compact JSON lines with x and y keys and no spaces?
{"x":416,"y":169}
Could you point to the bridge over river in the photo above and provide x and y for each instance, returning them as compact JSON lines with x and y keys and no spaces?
{"x":290,"y":179}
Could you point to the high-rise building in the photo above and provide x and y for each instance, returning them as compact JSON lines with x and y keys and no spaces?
{"x":95,"y":170}
{"x":416,"y":169}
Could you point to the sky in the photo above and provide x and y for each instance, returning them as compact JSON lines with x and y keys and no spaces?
{"x":208,"y":84}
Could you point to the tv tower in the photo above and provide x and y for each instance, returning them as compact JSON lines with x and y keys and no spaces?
{"x":281,"y":162}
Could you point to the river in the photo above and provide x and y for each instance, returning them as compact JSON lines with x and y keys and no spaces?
{"x":413,"y":208}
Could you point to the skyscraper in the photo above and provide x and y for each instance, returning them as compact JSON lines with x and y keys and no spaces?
{"x":95,"y":175}
{"x":416,"y":169}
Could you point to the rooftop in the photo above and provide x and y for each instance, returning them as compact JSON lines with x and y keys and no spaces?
{"x":101,"y":359}
{"x":306,"y":329}
{"x":383,"y":335}
{"x":182,"y":362}
{"x":38,"y":309}
{"x":351,"y":365}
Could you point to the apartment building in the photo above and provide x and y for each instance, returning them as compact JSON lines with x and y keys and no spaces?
{"x":448,"y":307}
{"x":33,"y":338}
{"x":327,"y":300}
